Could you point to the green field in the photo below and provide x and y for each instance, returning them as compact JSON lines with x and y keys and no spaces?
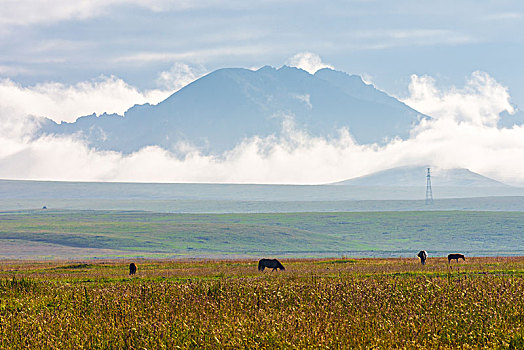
{"x":78,"y":234}
{"x":313,"y":304}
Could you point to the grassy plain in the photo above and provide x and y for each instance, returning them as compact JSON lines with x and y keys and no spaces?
{"x":319,"y":303}
{"x":147,"y":234}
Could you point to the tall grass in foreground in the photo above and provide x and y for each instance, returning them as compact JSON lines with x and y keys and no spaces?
{"x":387,"y":303}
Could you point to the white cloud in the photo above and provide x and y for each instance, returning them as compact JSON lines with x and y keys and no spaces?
{"x":26,"y":12}
{"x":308,"y":61}
{"x":179,"y":75}
{"x":200,"y":55}
{"x":478,"y":103}
{"x":379,"y":39}
{"x":59,"y":102}
{"x":67,"y":102}
{"x":463,"y":134}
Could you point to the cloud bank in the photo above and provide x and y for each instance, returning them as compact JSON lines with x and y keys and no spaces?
{"x":463,"y":133}
{"x":61,"y":102}
{"x":478,"y":103}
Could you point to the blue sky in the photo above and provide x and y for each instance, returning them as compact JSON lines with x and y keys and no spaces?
{"x":458,"y":61}
{"x":386,"y":41}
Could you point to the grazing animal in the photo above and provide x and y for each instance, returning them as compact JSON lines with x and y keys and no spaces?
{"x":455,"y":257}
{"x":270,"y":264}
{"x":423,"y":256}
{"x":132,"y":268}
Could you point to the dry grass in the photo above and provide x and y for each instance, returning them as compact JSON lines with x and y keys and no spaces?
{"x":333,"y":303}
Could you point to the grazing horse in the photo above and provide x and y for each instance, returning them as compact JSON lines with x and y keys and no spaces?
{"x":270,"y":264}
{"x":132,"y":268}
{"x":455,"y":257}
{"x":423,"y":256}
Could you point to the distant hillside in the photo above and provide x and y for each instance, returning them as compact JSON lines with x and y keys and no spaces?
{"x":219,"y":110}
{"x":241,"y":198}
{"x":416,"y":176}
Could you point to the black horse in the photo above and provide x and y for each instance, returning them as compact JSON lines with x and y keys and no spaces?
{"x":455,"y":257}
{"x":270,"y":264}
{"x":132,"y":268}
{"x":423,"y":256}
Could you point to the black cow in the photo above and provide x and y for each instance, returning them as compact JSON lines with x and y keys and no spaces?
{"x":132,"y":268}
{"x":423,"y":256}
{"x":455,"y":257}
{"x":270,"y":264}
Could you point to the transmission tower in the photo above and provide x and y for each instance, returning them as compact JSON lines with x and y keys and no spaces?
{"x":429,"y":192}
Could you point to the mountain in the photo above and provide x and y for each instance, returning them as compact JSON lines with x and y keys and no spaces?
{"x":221,"y":109}
{"x":415,"y":176}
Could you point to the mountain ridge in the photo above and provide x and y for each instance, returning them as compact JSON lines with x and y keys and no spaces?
{"x":218,"y":111}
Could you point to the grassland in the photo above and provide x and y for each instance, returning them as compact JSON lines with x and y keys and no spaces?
{"x":146,"y":234}
{"x":330,"y":303}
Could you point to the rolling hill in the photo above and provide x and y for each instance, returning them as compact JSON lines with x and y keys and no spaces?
{"x":415,"y":176}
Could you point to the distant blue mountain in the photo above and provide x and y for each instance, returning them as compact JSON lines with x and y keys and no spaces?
{"x":219,"y":110}
{"x":415,"y":176}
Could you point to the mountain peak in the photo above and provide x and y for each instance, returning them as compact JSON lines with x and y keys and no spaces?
{"x":266,"y":69}
{"x":226,"y":106}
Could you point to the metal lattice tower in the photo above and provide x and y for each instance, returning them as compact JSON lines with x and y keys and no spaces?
{"x":429,"y":192}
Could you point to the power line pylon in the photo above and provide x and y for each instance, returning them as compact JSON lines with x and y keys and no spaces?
{"x":429,"y":192}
